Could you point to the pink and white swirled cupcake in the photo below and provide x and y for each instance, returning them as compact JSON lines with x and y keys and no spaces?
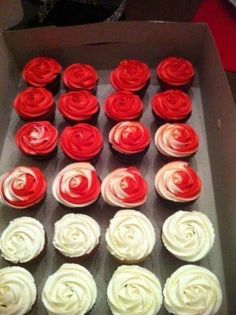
{"x":22,"y":187}
{"x":178,"y":182}
{"x":176,"y":140}
{"x":124,"y":187}
{"x":76,"y":185}
{"x":129,"y":140}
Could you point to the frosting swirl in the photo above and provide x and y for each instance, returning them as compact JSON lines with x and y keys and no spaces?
{"x":175,"y":71}
{"x":17,"y":291}
{"x":78,"y":105}
{"x":177,"y":181}
{"x":22,"y":187}
{"x":134,"y":290}
{"x":130,"y":236}
{"x":124,"y":187}
{"x":188,"y":235}
{"x":81,"y":142}
{"x":192,"y":290}
{"x":71,"y":290}
{"x":80,"y":76}
{"x":176,"y":140}
{"x":37,"y":138}
{"x":32,"y":103}
{"x":130,"y":75}
{"x":172,"y":105}
{"x":41,"y":71}
{"x":129,"y":137}
{"x":76,"y":235}
{"x":76,"y":185}
{"x":123,"y":105}
{"x":22,"y":240}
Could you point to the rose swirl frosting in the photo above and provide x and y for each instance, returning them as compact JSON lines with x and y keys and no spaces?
{"x":76,"y":185}
{"x":124,"y":187}
{"x":22,"y":187}
{"x":177,"y":181}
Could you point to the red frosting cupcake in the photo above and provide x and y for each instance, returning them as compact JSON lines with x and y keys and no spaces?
{"x":42,"y":72}
{"x":176,"y":140}
{"x":81,"y":142}
{"x":131,"y":75}
{"x":80,"y":77}
{"x":23,"y":187}
{"x":172,"y":106}
{"x":129,"y":140}
{"x":34,"y":104}
{"x":175,"y":73}
{"x":37,"y":139}
{"x":178,"y":182}
{"x":123,"y":105}
{"x":79,"y":106}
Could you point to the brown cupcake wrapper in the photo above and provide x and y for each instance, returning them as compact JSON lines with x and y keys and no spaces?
{"x":166,"y":86}
{"x":42,"y":157}
{"x":92,"y":91}
{"x":50,"y":116}
{"x":92,"y":160}
{"x":92,"y":121}
{"x":114,"y":122}
{"x":161,"y":121}
{"x":169,"y":203}
{"x":167,"y":159}
{"x":53,"y":87}
{"x":126,"y":158}
{"x":141,"y":92}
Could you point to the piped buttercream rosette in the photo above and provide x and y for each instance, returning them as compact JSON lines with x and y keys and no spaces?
{"x":124,"y":187}
{"x":178,"y":182}
{"x":76,"y":185}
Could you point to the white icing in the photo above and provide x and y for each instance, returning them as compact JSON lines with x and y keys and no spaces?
{"x":71,"y":290}
{"x":130,"y":236}
{"x":17,"y":291}
{"x":134,"y":290}
{"x":192,"y":290}
{"x":22,"y":240}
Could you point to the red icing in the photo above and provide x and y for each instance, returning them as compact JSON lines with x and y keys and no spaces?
{"x":130,"y":75}
{"x":175,"y":71}
{"x":80,"y":77}
{"x":78,"y":105}
{"x":81,"y":142}
{"x":188,"y":182}
{"x":172,"y":105}
{"x":37,"y":138}
{"x":33,"y":103}
{"x":123,"y":105}
{"x":41,"y":71}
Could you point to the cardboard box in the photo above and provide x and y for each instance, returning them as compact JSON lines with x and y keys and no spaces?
{"x":214,"y":117}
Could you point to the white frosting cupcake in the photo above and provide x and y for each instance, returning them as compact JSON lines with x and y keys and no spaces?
{"x":130,"y":236}
{"x":188,"y":235}
{"x":192,"y":290}
{"x":76,"y":235}
{"x":17,"y":291}
{"x":134,"y":290}
{"x":22,"y":240}
{"x":70,"y":290}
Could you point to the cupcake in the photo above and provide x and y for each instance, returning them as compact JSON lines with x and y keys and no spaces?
{"x":80,"y":76}
{"x":70,"y":290}
{"x":23,"y":240}
{"x":76,"y":236}
{"x":129,"y":140}
{"x":171,"y":106}
{"x":192,"y":290}
{"x":123,"y":105}
{"x":178,"y":182}
{"x":188,"y":235}
{"x":124,"y":187}
{"x":175,"y":73}
{"x":76,"y":185}
{"x":22,"y":187}
{"x":43,"y":72}
{"x":132,"y":76}
{"x":79,"y":106}
{"x":37,"y":139}
{"x":130,"y":236}
{"x":176,"y":140}
{"x":134,"y":290}
{"x":34,"y":104}
{"x":81,"y":142}
{"x":17,"y":291}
